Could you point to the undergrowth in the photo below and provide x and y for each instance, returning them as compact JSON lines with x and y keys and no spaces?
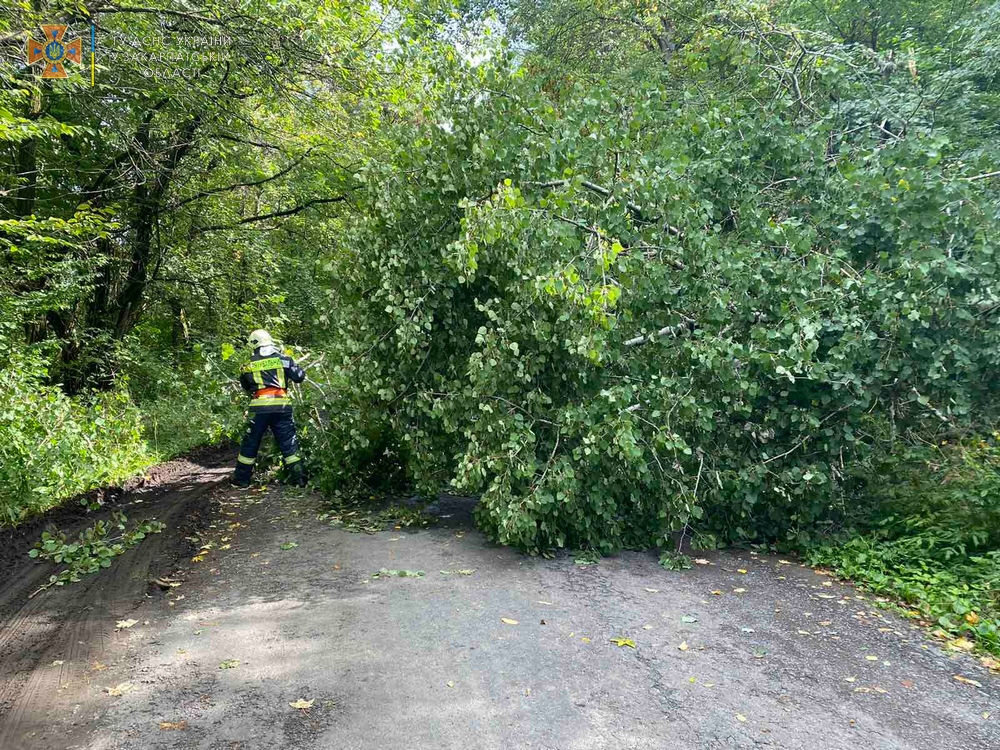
{"x":54,"y":446}
{"x":930,"y":538}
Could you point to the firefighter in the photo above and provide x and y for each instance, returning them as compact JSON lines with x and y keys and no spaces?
{"x":265,"y":377}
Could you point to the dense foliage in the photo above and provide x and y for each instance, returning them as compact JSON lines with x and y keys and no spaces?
{"x":706,"y":294}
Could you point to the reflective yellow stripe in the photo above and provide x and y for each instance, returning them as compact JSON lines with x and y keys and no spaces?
{"x":244,"y":460}
{"x":271,"y":363}
{"x":281,"y":377}
{"x":265,"y":401}
{"x":292,"y":459}
{"x":258,"y":378}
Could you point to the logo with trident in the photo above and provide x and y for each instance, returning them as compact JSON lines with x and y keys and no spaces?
{"x":53,"y":51}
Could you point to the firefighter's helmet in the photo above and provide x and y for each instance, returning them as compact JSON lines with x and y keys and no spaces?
{"x":260,"y":338}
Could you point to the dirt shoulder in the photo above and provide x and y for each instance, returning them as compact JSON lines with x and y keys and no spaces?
{"x":487,"y":649}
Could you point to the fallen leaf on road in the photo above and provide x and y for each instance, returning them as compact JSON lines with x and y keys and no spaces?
{"x":742,"y":570}
{"x":302,"y":704}
{"x":824,"y":623}
{"x":548,"y":603}
{"x":850,"y":679}
{"x":683,"y":646}
{"x":119,"y":689}
{"x":883,"y":691}
{"x":197,"y":558}
{"x":990,"y":663}
{"x":804,"y":632}
{"x":784,"y":562}
{"x":647,"y":627}
{"x":623,"y":642}
{"x":450,"y":684}
{"x":967,"y":681}
{"x":826,"y":596}
{"x":653,"y":591}
{"x":740,"y":717}
{"x":871,"y":658}
{"x":906,"y":683}
{"x":961,"y":644}
{"x":986,"y":714}
{"x":168,"y":726}
{"x":122,"y":624}
{"x":716,"y":592}
{"x":229,"y":664}
{"x":289,"y":545}
{"x":708,"y":684}
{"x":862,"y":690}
{"x":702,"y":561}
{"x":508,"y":621}
{"x":739,"y":591}
{"x":57,"y":662}
{"x":747,"y":630}
{"x":689,"y":618}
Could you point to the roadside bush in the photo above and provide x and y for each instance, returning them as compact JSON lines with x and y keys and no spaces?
{"x":927,"y":533}
{"x":53,"y":446}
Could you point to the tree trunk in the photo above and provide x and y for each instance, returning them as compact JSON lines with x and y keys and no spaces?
{"x":149,"y":202}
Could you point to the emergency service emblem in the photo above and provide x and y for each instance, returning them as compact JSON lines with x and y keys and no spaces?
{"x":53,"y":51}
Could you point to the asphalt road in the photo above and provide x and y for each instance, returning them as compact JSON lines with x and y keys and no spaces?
{"x":777,"y":656}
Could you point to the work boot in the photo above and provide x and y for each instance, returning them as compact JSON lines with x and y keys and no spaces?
{"x":241,"y":476}
{"x":296,"y":476}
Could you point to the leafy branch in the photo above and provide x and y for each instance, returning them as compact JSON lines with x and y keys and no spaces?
{"x":92,"y":550}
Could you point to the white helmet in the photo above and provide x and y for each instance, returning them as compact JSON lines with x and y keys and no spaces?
{"x":260,"y":338}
